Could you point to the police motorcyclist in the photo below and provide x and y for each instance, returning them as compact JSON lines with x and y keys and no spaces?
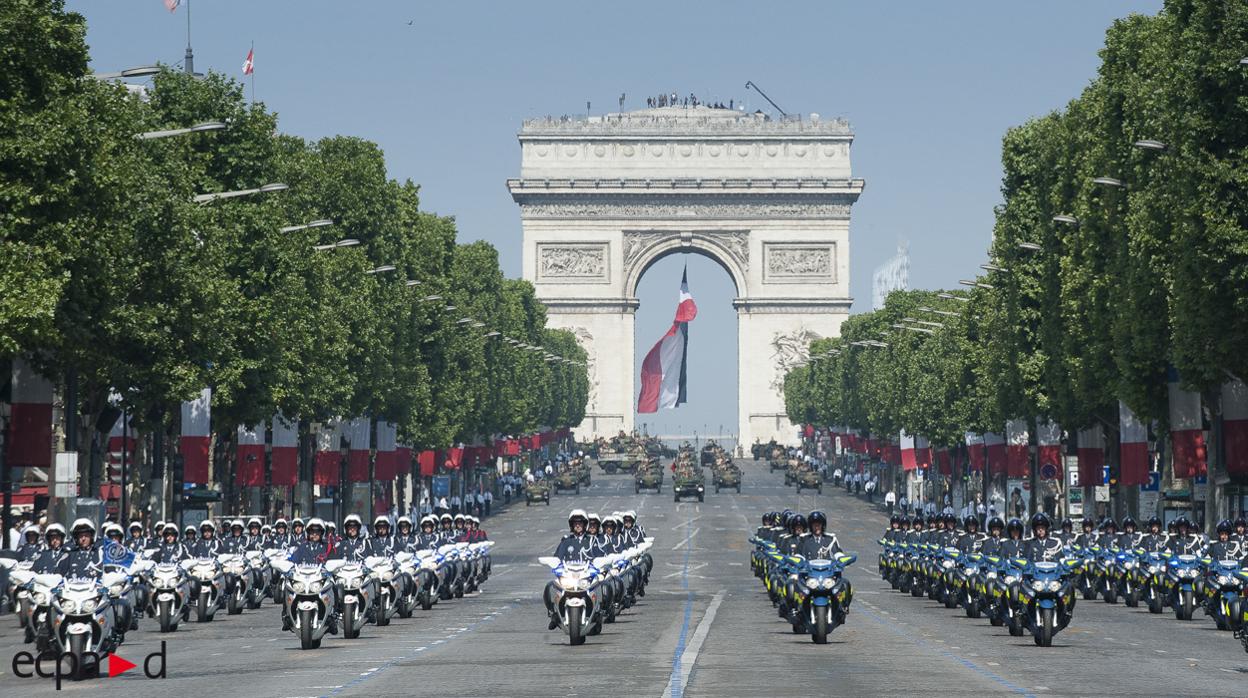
{"x":351,"y":547}
{"x":236,"y":541}
{"x":1226,"y":547}
{"x":791,"y":542}
{"x":405,"y":536}
{"x":1155,"y":540}
{"x":379,"y":544}
{"x":1108,"y":540}
{"x":188,"y":536}
{"x":281,"y":537}
{"x":611,"y":532}
{"x":428,"y":538}
{"x":208,"y":544}
{"x":1042,"y":547}
{"x":54,"y":553}
{"x":1186,"y":541}
{"x":1129,"y":539}
{"x":573,"y":547}
{"x":297,"y":533}
{"x":1241,"y":529}
{"x":447,"y":530}
{"x":32,"y":545}
{"x":312,"y":550}
{"x":992,"y":544}
{"x":137,"y":542}
{"x":1087,"y":539}
{"x":255,"y":535}
{"x":819,"y":544}
{"x":170,"y":549}
{"x":1067,"y":534}
{"x":633,"y":531}
{"x":1013,"y":546}
{"x":973,"y":540}
{"x":85,"y":559}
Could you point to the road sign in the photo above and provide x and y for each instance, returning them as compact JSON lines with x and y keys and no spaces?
{"x":1154,"y":483}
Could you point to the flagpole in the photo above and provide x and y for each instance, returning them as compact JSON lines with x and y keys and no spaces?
{"x":188,"y":62}
{"x":252,"y":53}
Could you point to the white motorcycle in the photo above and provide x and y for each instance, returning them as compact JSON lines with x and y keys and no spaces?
{"x":428,"y":578}
{"x":82,"y":621}
{"x":576,"y":598}
{"x":389,"y":582}
{"x":356,"y":590}
{"x":207,"y":586}
{"x":238,"y":582}
{"x":170,"y":594}
{"x":310,"y":598}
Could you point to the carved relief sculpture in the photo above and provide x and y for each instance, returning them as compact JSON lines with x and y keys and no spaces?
{"x":792,"y":261}
{"x":789,"y":349}
{"x":586,"y":340}
{"x":572,"y":261}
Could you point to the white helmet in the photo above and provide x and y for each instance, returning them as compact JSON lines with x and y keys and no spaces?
{"x":630,"y":514}
{"x":83,"y":524}
{"x":315,"y":521}
{"x":110,"y":528}
{"x":254,"y":520}
{"x":209,"y":524}
{"x":135,"y":524}
{"x":578,"y":513}
{"x":405,"y":520}
{"x":380,"y":520}
{"x":279,"y":522}
{"x":352,"y":519}
{"x":594,"y":517}
{"x":31,"y":528}
{"x":474,"y":519}
{"x":429,"y":519}
{"x":55,"y":528}
{"x":237,"y":523}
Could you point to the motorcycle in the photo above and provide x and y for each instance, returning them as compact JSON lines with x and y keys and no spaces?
{"x":1086,"y":582}
{"x":428,"y":578}
{"x":238,"y":579}
{"x":1048,"y":599}
{"x":310,"y":600}
{"x":1225,"y":590}
{"x":1106,"y":582}
{"x":968,"y":585}
{"x":825,"y":595}
{"x":1183,"y":577}
{"x":947,"y":581}
{"x":406,"y":564}
{"x":1125,"y":565}
{"x":275,"y":575}
{"x":170,"y":592}
{"x":1152,"y":574}
{"x":576,"y":598}
{"x":207,"y":586}
{"x":356,"y":591}
{"x":83,"y":621}
{"x":386,"y":576}
{"x":36,"y":592}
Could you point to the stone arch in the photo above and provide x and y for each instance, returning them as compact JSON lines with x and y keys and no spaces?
{"x":712,"y":246}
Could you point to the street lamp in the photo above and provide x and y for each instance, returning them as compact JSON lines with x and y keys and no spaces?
{"x":319,"y":223}
{"x":267,"y":188}
{"x":993,"y":267}
{"x":380,"y":269}
{"x":1149,"y":144}
{"x":939,"y":312}
{"x":430,"y":299}
{"x":137,"y":72}
{"x":913,"y":329}
{"x":345,"y":242}
{"x":1109,"y":182}
{"x":975,"y":284}
{"x":1066,"y":219}
{"x":411,"y":282}
{"x":492,"y":334}
{"x":197,"y":128}
{"x":1029,"y":246}
{"x":952,"y":297}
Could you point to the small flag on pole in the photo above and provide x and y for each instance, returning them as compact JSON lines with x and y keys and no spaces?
{"x":249,"y":65}
{"x":172,"y":5}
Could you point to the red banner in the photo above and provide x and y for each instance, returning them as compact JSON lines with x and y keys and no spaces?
{"x":428,"y":463}
{"x":403,"y":461}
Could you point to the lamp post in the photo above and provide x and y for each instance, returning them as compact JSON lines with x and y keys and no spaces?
{"x":141,"y":71}
{"x":197,"y":128}
{"x":264,"y":189}
{"x":346,"y":242}
{"x":319,"y":223}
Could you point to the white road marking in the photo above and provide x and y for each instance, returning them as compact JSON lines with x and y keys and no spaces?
{"x":690,"y":655}
{"x":686,"y":539}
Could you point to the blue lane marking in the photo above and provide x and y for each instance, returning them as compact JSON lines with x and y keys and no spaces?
{"x":361,"y":679}
{"x":964,"y":662}
{"x":677,"y":689}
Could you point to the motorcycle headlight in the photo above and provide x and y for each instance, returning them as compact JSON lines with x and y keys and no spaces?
{"x":40,"y":598}
{"x":1010,"y":579}
{"x":115,"y":590}
{"x":1055,"y":585}
{"x":1039,"y":585}
{"x":991,"y":575}
{"x":1153,"y":569}
{"x":1224,"y":580}
{"x":947,"y":563}
{"x":972,"y":571}
{"x":351,"y":583}
{"x":69,"y":606}
{"x":87,"y":606}
{"x":1189,"y":573}
{"x":387,"y":575}
{"x":829,"y":583}
{"x":1126,"y":565}
{"x":812,"y":583}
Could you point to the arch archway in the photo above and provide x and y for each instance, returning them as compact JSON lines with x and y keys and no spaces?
{"x":706,"y":244}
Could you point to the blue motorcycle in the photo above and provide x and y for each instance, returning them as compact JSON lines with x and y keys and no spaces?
{"x":1182,"y":576}
{"x":1224,"y":589}
{"x":824,"y":595}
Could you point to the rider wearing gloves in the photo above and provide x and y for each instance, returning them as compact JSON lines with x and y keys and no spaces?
{"x":574,"y":547}
{"x":351,"y":546}
{"x":208,"y":544}
{"x":312,"y":550}
{"x":85,"y":559}
{"x":820,"y":544}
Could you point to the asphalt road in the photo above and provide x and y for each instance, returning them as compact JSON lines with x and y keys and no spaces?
{"x":704,"y":629}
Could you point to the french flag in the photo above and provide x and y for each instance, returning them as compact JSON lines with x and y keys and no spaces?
{"x":1016,"y":453}
{"x":30,"y":424}
{"x":250,"y":443}
{"x":1186,"y":429}
{"x":1091,"y":456}
{"x":994,"y":444}
{"x":195,"y":442}
{"x":285,"y":453}
{"x":663,"y":371}
{"x":1235,"y":429}
{"x":386,"y":465}
{"x":1133,"y":447}
{"x":327,"y":470}
{"x":908,"y":460}
{"x":975,"y":450}
{"x":359,"y":434}
{"x":1049,"y":438}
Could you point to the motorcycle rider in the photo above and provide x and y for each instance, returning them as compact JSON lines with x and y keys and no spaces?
{"x":405,"y":537}
{"x":573,"y":547}
{"x":85,"y":559}
{"x":297,"y":534}
{"x":633,"y":532}
{"x":137,"y":542}
{"x":1042,"y":547}
{"x":380,"y":544}
{"x":819,"y":544}
{"x":1013,"y":546}
{"x":236,"y":542}
{"x":1154,"y":541}
{"x":973,"y":540}
{"x":351,"y":546}
{"x":1067,"y":534}
{"x":33,"y":545}
{"x":1128,"y":539}
{"x":188,"y":536}
{"x":1108,"y":540}
{"x":477,"y":533}
{"x":1186,"y":541}
{"x":255,"y":535}
{"x":791,"y":542}
{"x":208,"y":544}
{"x":1226,"y":547}
{"x":170,"y":549}
{"x":992,"y":544}
{"x":281,"y":537}
{"x":54,"y":553}
{"x":1086,"y":539}
{"x":611,"y":533}
{"x":448,"y":529}
{"x":428,"y":538}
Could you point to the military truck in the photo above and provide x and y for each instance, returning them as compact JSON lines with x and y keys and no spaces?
{"x":649,"y":477}
{"x":808,"y":479}
{"x":567,"y":479}
{"x":689,"y":482}
{"x":727,"y":475}
{"x":537,"y":492}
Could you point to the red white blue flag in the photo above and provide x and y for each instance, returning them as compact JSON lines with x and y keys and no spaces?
{"x":663,"y":371}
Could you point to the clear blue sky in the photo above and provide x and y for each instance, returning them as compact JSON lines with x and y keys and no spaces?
{"x":930,"y":88}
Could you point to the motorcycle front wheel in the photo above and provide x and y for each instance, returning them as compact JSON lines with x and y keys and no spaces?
{"x":1044,"y":631}
{"x":350,"y":627}
{"x":576,"y":633}
{"x":1183,"y":609}
{"x":234,"y":605}
{"x":383,"y":616}
{"x":201,"y":610}
{"x":305,"y":631}
{"x":819,"y":634}
{"x":164,"y":613}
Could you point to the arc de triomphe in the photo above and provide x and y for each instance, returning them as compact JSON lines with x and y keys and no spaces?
{"x":603,"y":198}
